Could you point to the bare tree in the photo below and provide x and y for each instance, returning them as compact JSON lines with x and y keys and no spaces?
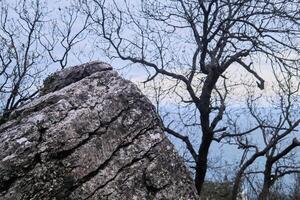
{"x":193,"y":43}
{"x":29,"y":39}
{"x":273,"y":138}
{"x":19,"y":53}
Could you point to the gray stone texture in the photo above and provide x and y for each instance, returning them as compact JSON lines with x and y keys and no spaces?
{"x":90,"y":135}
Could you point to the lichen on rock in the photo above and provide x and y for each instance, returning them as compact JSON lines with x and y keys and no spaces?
{"x":90,"y":135}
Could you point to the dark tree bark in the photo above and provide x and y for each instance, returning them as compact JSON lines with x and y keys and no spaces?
{"x":265,"y":192}
{"x":207,"y":131}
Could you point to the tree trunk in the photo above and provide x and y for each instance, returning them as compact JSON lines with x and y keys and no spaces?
{"x":265,"y":192}
{"x":201,"y":166}
{"x":236,"y":185}
{"x":207,"y":133}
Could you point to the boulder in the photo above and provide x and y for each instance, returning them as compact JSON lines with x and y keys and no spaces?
{"x":90,"y":135}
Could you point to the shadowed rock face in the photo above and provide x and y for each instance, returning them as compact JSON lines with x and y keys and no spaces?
{"x":91,"y":135}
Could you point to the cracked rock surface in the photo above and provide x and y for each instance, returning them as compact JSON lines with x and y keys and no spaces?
{"x":90,"y":135}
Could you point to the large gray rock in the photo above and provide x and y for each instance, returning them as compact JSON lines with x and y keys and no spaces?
{"x":91,"y":135}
